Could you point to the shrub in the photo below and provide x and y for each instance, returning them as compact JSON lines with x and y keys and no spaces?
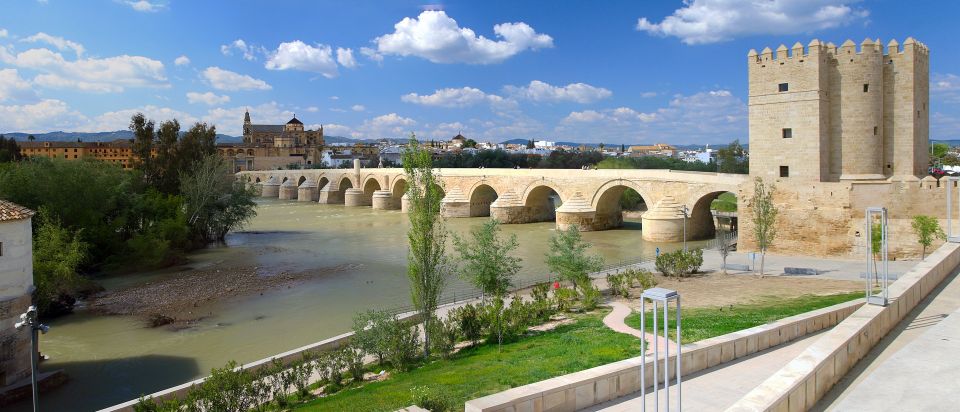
{"x":227,"y":389}
{"x":444,"y":337}
{"x":541,"y":307}
{"x":149,"y":405}
{"x":540,"y":291}
{"x":353,"y":358}
{"x":564,"y":298}
{"x":679,"y":263}
{"x":469,"y":321}
{"x":330,"y":366}
{"x":371,"y":332}
{"x":280,"y":381}
{"x":640,"y":277}
{"x":429,"y":399}
{"x":619,"y":284}
{"x":589,"y":296}
{"x":404,"y":345}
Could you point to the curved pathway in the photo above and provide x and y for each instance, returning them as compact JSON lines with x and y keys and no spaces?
{"x":615,"y":321}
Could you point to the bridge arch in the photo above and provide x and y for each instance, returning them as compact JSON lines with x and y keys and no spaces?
{"x":701,"y":224}
{"x":541,"y":200}
{"x":481,"y":195}
{"x":322,"y":182}
{"x":301,"y":180}
{"x":344,"y":183}
{"x":609,"y":202}
{"x":370,"y":186}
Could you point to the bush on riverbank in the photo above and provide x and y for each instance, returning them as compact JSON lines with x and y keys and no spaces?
{"x":680,"y":263}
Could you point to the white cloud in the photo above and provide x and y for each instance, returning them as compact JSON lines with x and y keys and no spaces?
{"x":707,"y":117}
{"x":145,"y":6}
{"x":3,"y":33}
{"x":120,"y":119}
{"x":436,"y":37}
{"x":648,"y":94}
{"x":39,"y":117}
{"x":334,"y":129}
{"x":345,"y":58}
{"x":462,"y":97}
{"x":945,"y":87}
{"x":711,"y":21}
{"x":13,"y":87}
{"x":298,"y":55}
{"x":358,"y":108}
{"x":249,"y":52}
{"x":313,"y":109}
{"x":539,"y":91}
{"x":181,"y":61}
{"x":111,"y":74}
{"x":208,"y":98}
{"x":334,"y":97}
{"x":389,"y":125}
{"x":371,"y":54}
{"x":221,"y":79}
{"x":59,"y":42}
{"x":230,"y":120}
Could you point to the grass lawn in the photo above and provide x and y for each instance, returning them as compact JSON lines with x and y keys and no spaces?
{"x":481,"y":370}
{"x":703,"y":323}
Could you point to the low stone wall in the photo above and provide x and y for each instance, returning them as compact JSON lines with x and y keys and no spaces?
{"x":583,"y":389}
{"x":288,"y":357}
{"x":803,"y":381}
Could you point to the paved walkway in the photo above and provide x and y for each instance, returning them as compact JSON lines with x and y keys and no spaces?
{"x":615,"y":320}
{"x":932,"y":310}
{"x":717,"y":388}
{"x":923,"y":376}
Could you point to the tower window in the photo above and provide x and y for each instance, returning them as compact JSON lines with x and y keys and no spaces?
{"x":875,"y":130}
{"x":783,"y":87}
{"x":784,"y":171}
{"x":866,"y":87}
{"x":787,"y":133}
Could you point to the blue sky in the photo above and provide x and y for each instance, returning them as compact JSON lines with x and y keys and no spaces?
{"x":615,"y":71}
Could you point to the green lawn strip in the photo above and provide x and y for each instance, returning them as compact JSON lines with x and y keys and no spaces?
{"x":703,"y":323}
{"x":481,"y":371}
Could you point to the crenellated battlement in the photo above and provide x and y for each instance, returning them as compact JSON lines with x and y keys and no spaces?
{"x":848,"y":49}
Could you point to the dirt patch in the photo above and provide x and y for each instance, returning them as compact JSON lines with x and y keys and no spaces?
{"x":178,"y":300}
{"x":552,"y":324}
{"x":717,"y":289}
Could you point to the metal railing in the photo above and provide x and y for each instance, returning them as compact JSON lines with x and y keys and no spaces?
{"x":715,"y":243}
{"x":466,"y":292}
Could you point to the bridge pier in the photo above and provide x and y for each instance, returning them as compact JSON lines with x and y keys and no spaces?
{"x":330,"y":196}
{"x":356,"y":197}
{"x":288,"y":190}
{"x":270,"y":188}
{"x":383,"y":200}
{"x":507,"y":209}
{"x":455,"y":204}
{"x":308,"y":191}
{"x":405,"y":203}
{"x":664,"y":222}
{"x":576,"y":211}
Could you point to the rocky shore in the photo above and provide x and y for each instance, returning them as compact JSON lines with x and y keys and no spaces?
{"x":182,"y":299}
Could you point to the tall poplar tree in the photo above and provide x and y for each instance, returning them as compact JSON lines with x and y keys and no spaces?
{"x":427,"y":264}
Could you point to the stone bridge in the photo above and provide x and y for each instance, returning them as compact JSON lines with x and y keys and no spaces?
{"x":589,"y":199}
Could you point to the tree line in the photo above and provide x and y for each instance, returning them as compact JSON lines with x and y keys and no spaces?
{"x":95,"y":217}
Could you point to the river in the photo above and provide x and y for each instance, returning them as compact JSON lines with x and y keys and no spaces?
{"x":112,"y":359}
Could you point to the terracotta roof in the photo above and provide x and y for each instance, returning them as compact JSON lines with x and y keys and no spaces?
{"x":13,"y":211}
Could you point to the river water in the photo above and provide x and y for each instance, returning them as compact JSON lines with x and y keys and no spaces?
{"x":112,"y":359}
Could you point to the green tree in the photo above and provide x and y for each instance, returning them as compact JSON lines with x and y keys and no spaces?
{"x":9,"y":150}
{"x":940,"y":150}
{"x":732,"y":159}
{"x":470,"y":143}
{"x":927,"y":229}
{"x":427,"y":264}
{"x":764,"y":217}
{"x":371,"y":332}
{"x":215,"y":201}
{"x":487,"y":263}
{"x":726,"y":202}
{"x":568,"y":257}
{"x":57,"y":255}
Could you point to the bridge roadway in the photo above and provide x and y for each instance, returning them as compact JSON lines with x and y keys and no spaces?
{"x":589,"y":199}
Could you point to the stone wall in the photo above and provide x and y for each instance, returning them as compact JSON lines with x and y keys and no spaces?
{"x":16,"y":286}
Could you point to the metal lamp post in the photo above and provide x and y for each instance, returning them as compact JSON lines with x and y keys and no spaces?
{"x":659,"y":297}
{"x":29,"y":319}
{"x":878,"y":213}
{"x":685,"y":211}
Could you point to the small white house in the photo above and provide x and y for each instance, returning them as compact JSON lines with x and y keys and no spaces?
{"x":16,"y":287}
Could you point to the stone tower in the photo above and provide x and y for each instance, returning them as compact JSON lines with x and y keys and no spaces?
{"x":839,"y":114}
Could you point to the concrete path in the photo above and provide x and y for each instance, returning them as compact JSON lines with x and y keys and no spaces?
{"x":615,"y":321}
{"x":717,"y":388}
{"x":923,"y":376}
{"x":943,"y":301}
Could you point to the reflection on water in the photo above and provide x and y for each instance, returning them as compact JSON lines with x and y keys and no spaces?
{"x":112,"y":359}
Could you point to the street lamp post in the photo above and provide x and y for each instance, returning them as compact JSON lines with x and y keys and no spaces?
{"x":685,"y":210}
{"x":29,"y":319}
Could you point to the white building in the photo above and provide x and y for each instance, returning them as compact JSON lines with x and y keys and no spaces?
{"x":16,"y":287}
{"x":543,"y":144}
